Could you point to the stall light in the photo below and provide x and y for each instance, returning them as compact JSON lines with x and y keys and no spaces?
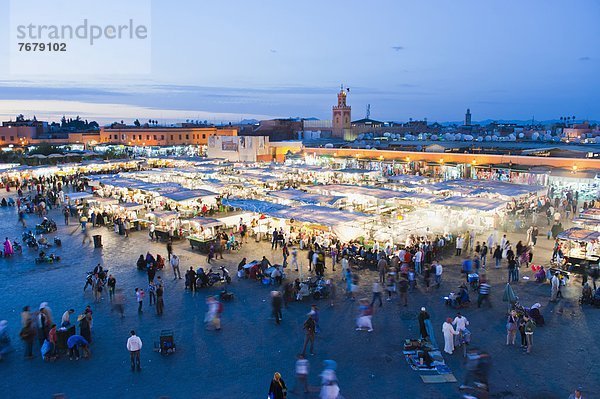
{"x":407,"y":159}
{"x":441,"y":160}
{"x":474,"y":162}
{"x":574,"y":168}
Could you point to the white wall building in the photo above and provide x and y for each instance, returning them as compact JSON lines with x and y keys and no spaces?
{"x":239,"y":148}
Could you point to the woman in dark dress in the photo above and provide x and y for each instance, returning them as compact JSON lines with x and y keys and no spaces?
{"x":277,"y":390}
{"x":84,"y":328}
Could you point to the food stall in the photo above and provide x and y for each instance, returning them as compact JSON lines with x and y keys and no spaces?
{"x":73,"y":198}
{"x":202,"y":232}
{"x":475,"y":213}
{"x":292,"y":196}
{"x":167,"y":224}
{"x":188,"y":202}
{"x":262,"y":221}
{"x":580,"y":246}
{"x":589,"y":219}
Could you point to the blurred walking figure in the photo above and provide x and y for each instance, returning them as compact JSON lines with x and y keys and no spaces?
{"x":345,"y":266}
{"x":277,"y":389}
{"x":27,"y":334}
{"x":276,"y":302}
{"x":314,"y":314}
{"x":294,"y":259}
{"x":329,"y":383}
{"x":555,"y":287}
{"x":139,"y":297}
{"x":119,"y":302}
{"x":349,"y":285}
{"x":364,"y":319}
{"x":476,"y":380}
{"x":213,"y":315}
{"x":160,"y":303}
{"x":302,"y":369}
{"x":376,"y":294}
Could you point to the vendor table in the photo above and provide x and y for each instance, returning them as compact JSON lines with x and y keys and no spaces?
{"x":202,"y":244}
{"x":163,"y":235}
{"x":62,"y":335}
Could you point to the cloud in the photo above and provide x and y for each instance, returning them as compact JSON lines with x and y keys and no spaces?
{"x":585,"y":58}
{"x":273,"y":51}
{"x":397,"y":48}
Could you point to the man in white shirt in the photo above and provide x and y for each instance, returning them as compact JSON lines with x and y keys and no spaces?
{"x":460,"y":322}
{"x":151,"y":233}
{"x":418,"y":258}
{"x":438,"y":274}
{"x":344,"y":266}
{"x":134,"y":346}
{"x":66,"y":318}
{"x":459,"y":245}
{"x":175,"y":266}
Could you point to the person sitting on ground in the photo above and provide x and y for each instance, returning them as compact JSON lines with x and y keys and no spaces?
{"x":254,"y":272}
{"x":540,"y":275}
{"x":463,"y":296}
{"x":242,"y":264}
{"x":160,"y":262}
{"x":231,"y":243}
{"x":141,"y":263}
{"x":201,"y":277}
{"x":42,"y":240}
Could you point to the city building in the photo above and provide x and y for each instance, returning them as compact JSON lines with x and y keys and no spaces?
{"x":150,"y":136}
{"x":468,"y":117}
{"x":280,"y":129}
{"x":239,"y":148}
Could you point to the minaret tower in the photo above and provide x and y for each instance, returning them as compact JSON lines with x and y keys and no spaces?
{"x":341,"y":115}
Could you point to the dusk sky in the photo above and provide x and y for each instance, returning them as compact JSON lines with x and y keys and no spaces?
{"x":254,"y":59}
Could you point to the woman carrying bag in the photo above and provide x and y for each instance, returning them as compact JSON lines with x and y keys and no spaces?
{"x":277,"y":390}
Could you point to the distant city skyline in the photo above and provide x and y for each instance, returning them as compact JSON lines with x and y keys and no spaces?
{"x":509,"y":60}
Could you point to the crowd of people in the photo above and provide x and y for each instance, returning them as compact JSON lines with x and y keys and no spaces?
{"x":400,"y":271}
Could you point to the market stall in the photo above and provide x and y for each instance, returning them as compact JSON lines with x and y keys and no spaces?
{"x":291,"y":196}
{"x":202,"y":232}
{"x":167,"y":224}
{"x":191,"y":202}
{"x":580,"y":246}
{"x":470,"y":213}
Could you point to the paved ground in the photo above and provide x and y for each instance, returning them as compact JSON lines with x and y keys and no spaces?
{"x":238,"y":362}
